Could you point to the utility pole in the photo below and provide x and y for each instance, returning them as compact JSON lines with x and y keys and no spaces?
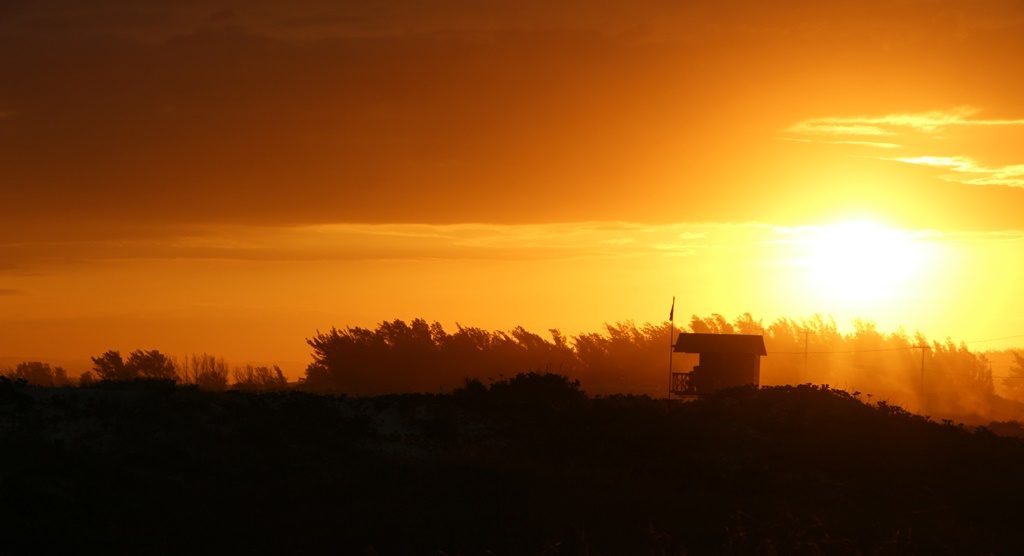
{"x":922,"y":347}
{"x":806,"y":334}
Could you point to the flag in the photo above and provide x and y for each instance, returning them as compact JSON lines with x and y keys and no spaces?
{"x":672,"y":311}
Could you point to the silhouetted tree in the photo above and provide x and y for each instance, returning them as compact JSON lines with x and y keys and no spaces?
{"x":206,"y":371}
{"x":539,"y":388}
{"x":60,"y":376}
{"x":1017,"y":368}
{"x":715,"y":324}
{"x":417,"y":356}
{"x":150,"y":364}
{"x":38,"y":373}
{"x":626,"y":358}
{"x":1015,"y":382}
{"x":110,"y":366}
{"x":259,"y":378}
{"x":746,"y":324}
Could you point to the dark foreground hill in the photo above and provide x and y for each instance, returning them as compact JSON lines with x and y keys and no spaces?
{"x":527,"y":466}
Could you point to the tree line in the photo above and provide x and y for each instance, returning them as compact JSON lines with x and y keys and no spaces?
{"x":203,"y":370}
{"x":936,"y":377}
{"x":419,"y":356}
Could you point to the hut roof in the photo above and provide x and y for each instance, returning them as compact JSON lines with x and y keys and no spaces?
{"x":720,"y":343}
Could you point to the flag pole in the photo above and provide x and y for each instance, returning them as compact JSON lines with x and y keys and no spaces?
{"x":671,"y":345}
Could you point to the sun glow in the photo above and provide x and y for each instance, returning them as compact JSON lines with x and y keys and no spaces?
{"x":857,"y":264}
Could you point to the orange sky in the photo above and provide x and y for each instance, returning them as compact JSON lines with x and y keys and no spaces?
{"x":230,"y":177}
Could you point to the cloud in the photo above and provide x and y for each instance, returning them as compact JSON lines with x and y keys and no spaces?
{"x":835,"y":127}
{"x":918,"y":131}
{"x":361,"y":242}
{"x":413,"y":127}
{"x":969,"y":171}
{"x":10,"y":291}
{"x":311,"y":111}
{"x":872,"y":144}
{"x":892,"y":124}
{"x":958,"y":163}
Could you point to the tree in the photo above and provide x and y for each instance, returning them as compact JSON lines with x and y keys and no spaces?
{"x":539,"y":388}
{"x":110,"y":366}
{"x":60,"y":377}
{"x":86,"y":379}
{"x":259,"y":378}
{"x":150,"y":364}
{"x":1018,"y":367}
{"x":34,"y":372}
{"x":1015,"y":382}
{"x":206,"y":371}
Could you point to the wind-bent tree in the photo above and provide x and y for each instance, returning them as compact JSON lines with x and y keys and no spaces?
{"x":396,"y":356}
{"x":150,"y":364}
{"x":1015,"y":382}
{"x":420,"y":357}
{"x":259,"y":378}
{"x":110,"y":366}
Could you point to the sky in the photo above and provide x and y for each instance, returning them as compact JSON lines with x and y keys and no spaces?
{"x":231,"y":177}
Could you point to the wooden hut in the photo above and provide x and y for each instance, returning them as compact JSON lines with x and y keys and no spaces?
{"x":725,"y":360}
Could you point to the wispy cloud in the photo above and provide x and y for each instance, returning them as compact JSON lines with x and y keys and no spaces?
{"x":372,"y":243}
{"x":969,"y":171}
{"x":893,"y":124}
{"x":836,"y":127}
{"x":957,"y":163}
{"x":10,"y":291}
{"x":917,"y":131}
{"x":873,"y":144}
{"x":365,"y":242}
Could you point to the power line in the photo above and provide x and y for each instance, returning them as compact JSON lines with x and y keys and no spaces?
{"x":905,"y":348}
{"x":844,"y":351}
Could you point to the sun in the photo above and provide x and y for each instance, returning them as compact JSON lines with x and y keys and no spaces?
{"x":862,"y":262}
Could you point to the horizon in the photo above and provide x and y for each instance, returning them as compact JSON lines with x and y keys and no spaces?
{"x":294,"y":369}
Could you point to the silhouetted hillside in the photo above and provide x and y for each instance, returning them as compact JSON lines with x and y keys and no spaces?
{"x":524,"y":466}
